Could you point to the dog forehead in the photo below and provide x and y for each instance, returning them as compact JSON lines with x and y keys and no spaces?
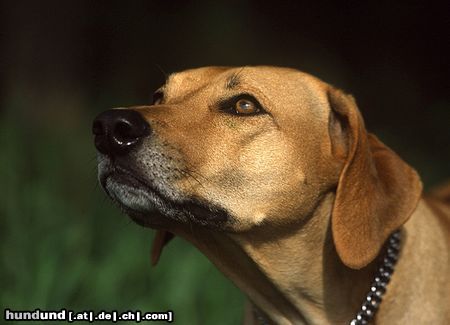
{"x":277,"y":87}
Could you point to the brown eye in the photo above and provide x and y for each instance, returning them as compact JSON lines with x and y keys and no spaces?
{"x":245,"y":106}
{"x":242,"y":105}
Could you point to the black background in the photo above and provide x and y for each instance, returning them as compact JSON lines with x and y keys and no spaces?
{"x":62,"y":62}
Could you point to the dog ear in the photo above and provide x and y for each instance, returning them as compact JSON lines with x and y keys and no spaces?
{"x":162,"y":237}
{"x":377,"y":191}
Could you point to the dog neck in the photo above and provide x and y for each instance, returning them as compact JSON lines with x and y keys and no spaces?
{"x":290,"y":274}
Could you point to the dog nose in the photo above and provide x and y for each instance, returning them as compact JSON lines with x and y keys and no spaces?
{"x":117,"y":131}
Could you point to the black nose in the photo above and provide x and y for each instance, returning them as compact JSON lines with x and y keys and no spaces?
{"x":117,"y":131}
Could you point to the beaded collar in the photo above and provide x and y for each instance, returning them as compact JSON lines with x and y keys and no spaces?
{"x":373,"y":299}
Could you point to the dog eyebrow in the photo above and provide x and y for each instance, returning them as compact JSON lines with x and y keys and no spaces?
{"x":232,"y":81}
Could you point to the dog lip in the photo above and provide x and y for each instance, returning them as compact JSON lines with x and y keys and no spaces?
{"x":130,"y":178}
{"x":127,"y":177}
{"x":157,"y":221}
{"x":206,"y":212}
{"x":203,"y":213}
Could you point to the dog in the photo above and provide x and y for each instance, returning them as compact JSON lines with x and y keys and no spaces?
{"x":271,"y":173}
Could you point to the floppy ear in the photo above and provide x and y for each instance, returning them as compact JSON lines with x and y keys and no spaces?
{"x":377,"y":191}
{"x":162,"y":237}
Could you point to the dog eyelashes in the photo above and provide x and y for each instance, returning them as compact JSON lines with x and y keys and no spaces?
{"x":243,"y":105}
{"x":157,"y":97}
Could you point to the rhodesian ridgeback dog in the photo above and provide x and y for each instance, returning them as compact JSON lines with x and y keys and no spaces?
{"x":271,"y":173}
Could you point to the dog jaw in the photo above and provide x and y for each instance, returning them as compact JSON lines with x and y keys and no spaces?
{"x":151,"y":203}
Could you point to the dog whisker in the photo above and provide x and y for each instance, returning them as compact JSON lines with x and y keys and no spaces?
{"x":165,"y":74}
{"x":187,"y":177}
{"x":190,"y":174}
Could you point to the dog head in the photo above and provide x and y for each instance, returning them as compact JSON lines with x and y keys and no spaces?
{"x":237,"y":148}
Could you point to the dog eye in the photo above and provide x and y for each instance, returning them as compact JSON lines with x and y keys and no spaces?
{"x":158,"y":97}
{"x":242,"y":104}
{"x":245,"y":106}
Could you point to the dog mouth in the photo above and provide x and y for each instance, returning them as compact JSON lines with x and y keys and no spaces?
{"x":148,"y":206}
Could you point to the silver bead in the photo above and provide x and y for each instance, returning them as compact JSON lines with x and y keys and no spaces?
{"x":375,"y":303}
{"x":372,"y":297}
{"x":361,"y":317}
{"x":395,"y":245}
{"x":389,"y":262}
{"x":368,"y":312}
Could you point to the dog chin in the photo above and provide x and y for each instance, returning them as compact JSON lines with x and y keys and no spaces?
{"x":130,"y":197}
{"x":144,"y":206}
{"x":148,"y":208}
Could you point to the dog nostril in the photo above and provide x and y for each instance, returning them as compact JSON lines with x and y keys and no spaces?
{"x":125,"y":133}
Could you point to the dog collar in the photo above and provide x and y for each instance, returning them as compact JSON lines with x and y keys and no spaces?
{"x":377,"y":290}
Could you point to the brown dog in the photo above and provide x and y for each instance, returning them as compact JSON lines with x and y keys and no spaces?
{"x":271,"y":174}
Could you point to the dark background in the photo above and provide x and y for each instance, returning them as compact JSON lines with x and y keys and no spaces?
{"x":63,"y":245}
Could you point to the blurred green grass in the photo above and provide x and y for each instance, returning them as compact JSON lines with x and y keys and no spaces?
{"x":65,"y":246}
